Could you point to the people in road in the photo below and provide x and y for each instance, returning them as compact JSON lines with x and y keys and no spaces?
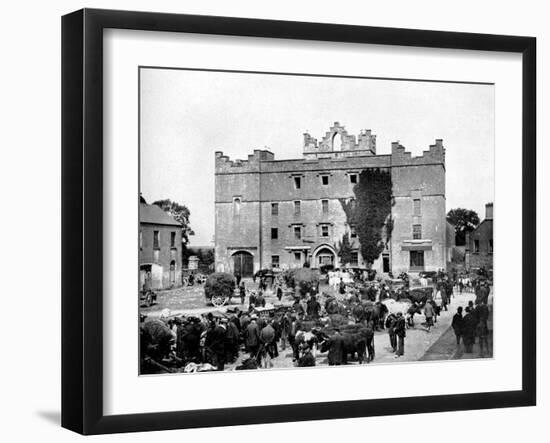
{"x":429,"y":314}
{"x":469,"y":325}
{"x":400,"y":331}
{"x":391,"y":320}
{"x":252,"y":337}
{"x":456,"y":324}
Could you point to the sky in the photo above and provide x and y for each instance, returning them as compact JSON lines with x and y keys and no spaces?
{"x":188,"y":115}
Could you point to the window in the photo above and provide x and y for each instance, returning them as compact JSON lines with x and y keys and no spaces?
{"x":324,"y":203}
{"x":274,"y":233}
{"x":416,"y":206}
{"x":298,"y":257}
{"x":236,"y":206}
{"x":274,"y":261}
{"x":352,"y":231}
{"x":324,"y":231}
{"x":298,"y":232}
{"x":297,"y":182}
{"x":417,"y":259}
{"x":354,"y":258}
{"x":274,"y":208}
{"x":324,"y":180}
{"x":297,"y":208}
{"x":353,"y":179}
{"x":156,"y":240}
{"x":172,"y":239}
{"x":417,"y":232}
{"x":476,"y":246}
{"x":490,"y":248}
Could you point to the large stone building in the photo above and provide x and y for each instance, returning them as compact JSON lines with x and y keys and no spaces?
{"x":282,"y":213}
{"x":160,"y":246}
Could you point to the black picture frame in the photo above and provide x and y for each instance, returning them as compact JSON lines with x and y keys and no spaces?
{"x":82,"y":218}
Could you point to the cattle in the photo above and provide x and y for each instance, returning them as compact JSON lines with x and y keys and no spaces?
{"x":356,"y":339}
{"x":309,"y":338}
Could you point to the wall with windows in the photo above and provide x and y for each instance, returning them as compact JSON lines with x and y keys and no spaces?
{"x":283,"y":211}
{"x":160,"y":245}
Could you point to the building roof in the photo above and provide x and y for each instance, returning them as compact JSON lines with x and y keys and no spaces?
{"x":152,"y":214}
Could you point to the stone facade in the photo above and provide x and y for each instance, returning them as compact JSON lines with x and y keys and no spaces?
{"x":160,"y":247}
{"x":479,"y":243}
{"x":282,"y":213}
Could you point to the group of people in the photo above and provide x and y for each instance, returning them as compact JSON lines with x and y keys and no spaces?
{"x":473,"y":324}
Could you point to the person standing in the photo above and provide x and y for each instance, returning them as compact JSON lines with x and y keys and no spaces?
{"x":252,"y":338}
{"x":238,"y":278}
{"x":457,"y":324}
{"x":267,"y":340}
{"x":391,"y":321}
{"x":369,"y":335}
{"x":242,"y":291}
{"x":429,"y":314}
{"x":216,"y":345}
{"x":469,"y":325}
{"x":400,"y":331}
{"x":336,"y":353}
{"x":313,"y":308}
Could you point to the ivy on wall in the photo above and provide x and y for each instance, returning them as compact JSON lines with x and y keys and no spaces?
{"x":370,"y":212}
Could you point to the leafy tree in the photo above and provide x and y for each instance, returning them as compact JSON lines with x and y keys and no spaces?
{"x":370,"y":212}
{"x":344,"y":250}
{"x":463,"y":220}
{"x":180,"y":213}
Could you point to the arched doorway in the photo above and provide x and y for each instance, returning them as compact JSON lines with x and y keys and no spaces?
{"x":323,"y":256}
{"x":243,"y":264}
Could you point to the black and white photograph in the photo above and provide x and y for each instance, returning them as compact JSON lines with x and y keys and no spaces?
{"x":291,"y":221}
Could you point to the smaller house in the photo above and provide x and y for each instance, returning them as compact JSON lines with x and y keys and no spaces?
{"x":479,"y":243}
{"x":160,"y":245}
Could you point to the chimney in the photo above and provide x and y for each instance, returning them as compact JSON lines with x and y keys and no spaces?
{"x":489,"y":211}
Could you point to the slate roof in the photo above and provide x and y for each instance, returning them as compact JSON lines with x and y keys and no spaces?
{"x":153,"y":215}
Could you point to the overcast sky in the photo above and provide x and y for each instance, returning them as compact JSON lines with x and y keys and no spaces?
{"x":188,"y":115}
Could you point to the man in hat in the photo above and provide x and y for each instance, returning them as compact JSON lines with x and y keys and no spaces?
{"x":267,"y":339}
{"x":400,"y":331}
{"x":231,"y":340}
{"x":336,"y":352}
{"x":252,"y":336}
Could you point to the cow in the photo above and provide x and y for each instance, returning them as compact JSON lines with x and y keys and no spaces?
{"x":309,"y":338}
{"x":357,"y":338}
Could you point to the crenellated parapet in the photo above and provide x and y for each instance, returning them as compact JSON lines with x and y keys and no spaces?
{"x":401,"y":157}
{"x":251,"y":164}
{"x":338,"y":143}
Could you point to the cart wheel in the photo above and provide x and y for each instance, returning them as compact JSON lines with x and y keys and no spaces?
{"x":218,"y":300}
{"x":148,"y":299}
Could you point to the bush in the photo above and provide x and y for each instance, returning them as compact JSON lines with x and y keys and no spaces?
{"x":219,"y":284}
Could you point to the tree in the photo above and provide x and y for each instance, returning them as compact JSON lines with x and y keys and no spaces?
{"x":464,"y":221}
{"x":344,"y":250}
{"x":180,"y":213}
{"x":370,"y":212}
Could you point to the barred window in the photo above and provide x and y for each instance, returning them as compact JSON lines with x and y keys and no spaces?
{"x":156,"y":239}
{"x":274,"y":208}
{"x":298,"y":232}
{"x":325,"y":206}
